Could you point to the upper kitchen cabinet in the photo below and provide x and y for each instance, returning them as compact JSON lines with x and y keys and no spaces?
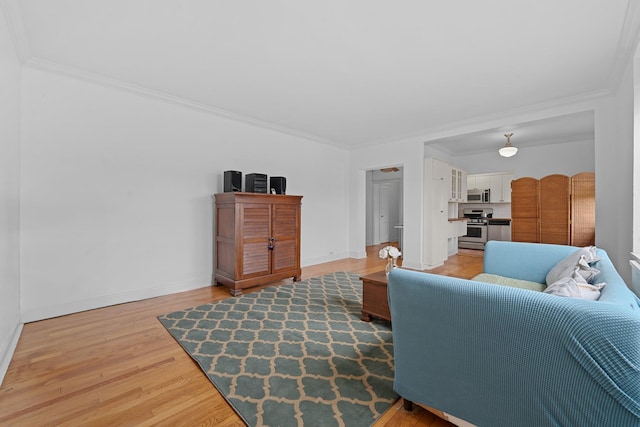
{"x":498,"y":184}
{"x":458,"y":185}
{"x":501,"y":188}
{"x":479,"y":182}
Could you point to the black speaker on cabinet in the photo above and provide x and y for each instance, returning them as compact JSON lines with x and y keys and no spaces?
{"x":232,"y":181}
{"x":278,"y":185}
{"x":255,"y":183}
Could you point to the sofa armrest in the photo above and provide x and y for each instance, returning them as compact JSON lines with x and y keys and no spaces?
{"x":496,"y":355}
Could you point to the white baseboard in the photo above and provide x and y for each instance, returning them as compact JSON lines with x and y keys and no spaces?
{"x":47,"y":312}
{"x":6,"y":351}
{"x":358,"y":254}
{"x":323,"y":259}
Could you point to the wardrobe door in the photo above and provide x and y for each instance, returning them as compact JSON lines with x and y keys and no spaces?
{"x":525,"y":205}
{"x":555,"y":209}
{"x":583,"y":209}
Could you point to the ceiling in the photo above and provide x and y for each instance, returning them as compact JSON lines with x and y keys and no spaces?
{"x":347,"y":73}
{"x":576,"y":127}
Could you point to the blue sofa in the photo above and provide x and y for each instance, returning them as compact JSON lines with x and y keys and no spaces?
{"x":493,"y":355}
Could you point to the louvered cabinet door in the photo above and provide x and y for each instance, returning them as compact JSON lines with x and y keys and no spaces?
{"x":253,"y":247}
{"x":525,"y":204}
{"x":285,"y":254}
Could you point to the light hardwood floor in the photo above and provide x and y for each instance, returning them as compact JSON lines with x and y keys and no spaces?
{"x":119,"y":366}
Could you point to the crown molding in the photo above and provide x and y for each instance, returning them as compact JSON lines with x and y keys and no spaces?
{"x":542,"y":110}
{"x":627,"y":44}
{"x":13,"y":18}
{"x":100,"y":80}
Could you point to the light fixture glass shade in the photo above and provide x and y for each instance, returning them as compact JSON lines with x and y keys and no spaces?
{"x":508,"y":151}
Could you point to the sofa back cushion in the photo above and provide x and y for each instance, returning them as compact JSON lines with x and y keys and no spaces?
{"x":524,"y":261}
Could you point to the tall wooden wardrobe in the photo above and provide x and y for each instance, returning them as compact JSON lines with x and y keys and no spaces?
{"x":554,"y":209}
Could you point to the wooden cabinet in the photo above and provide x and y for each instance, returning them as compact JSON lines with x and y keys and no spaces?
{"x":555,"y":209}
{"x":257,"y":239}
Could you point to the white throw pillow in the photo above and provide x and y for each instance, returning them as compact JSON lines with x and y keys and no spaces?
{"x":575,"y":286}
{"x":581,"y":259}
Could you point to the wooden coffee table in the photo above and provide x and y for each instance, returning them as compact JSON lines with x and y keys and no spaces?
{"x":375,"y":302}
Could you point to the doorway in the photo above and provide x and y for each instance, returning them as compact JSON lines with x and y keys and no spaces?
{"x":384,"y":205}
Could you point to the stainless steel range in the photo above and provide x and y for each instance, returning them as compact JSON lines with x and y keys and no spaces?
{"x":476,"y":236}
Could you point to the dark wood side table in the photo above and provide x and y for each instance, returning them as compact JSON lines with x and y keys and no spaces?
{"x":375,"y":302}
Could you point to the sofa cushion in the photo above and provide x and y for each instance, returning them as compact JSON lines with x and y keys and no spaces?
{"x":578,"y":261}
{"x":508,"y":281}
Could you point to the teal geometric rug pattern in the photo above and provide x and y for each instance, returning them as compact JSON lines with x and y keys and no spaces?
{"x":293,"y":355}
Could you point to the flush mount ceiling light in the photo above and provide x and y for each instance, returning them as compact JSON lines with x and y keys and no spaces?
{"x":508,"y":150}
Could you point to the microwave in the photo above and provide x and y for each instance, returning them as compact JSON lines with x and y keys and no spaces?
{"x":478,"y":196}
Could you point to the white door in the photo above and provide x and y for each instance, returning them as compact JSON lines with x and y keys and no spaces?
{"x":383,"y":196}
{"x":385,"y":211}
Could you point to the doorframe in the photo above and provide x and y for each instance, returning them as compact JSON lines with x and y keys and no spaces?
{"x":371,"y":221}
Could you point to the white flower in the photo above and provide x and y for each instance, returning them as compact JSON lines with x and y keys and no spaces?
{"x":389,"y":252}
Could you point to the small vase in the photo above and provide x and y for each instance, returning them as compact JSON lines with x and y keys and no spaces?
{"x":391,"y":264}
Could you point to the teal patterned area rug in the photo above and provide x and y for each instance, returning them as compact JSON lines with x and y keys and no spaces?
{"x":293,"y":355}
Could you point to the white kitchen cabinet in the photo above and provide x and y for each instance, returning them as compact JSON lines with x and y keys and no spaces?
{"x":455,"y":229}
{"x":458,"y":191}
{"x":437,"y":188}
{"x":499,"y":185}
{"x":479,"y":181}
{"x":501,"y":188}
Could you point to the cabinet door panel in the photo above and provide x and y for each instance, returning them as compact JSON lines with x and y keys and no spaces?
{"x":255,"y":222}
{"x":255,"y":259}
{"x":285,"y":220}
{"x":284,"y":255}
{"x":285,"y":231}
{"x":254,"y":248}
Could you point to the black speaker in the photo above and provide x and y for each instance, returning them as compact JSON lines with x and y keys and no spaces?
{"x":278,"y":185}
{"x":255,"y":183}
{"x":232,"y":181}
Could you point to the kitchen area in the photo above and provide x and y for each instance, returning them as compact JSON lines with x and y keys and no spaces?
{"x":482,"y":227}
{"x":487,"y":209}
{"x":463,"y":211}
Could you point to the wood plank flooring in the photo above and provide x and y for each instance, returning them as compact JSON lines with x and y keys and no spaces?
{"x":119,"y":366}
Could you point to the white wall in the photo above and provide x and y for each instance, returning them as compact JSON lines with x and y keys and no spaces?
{"x":567,"y":158}
{"x":10,"y":325}
{"x":614,"y":174}
{"x":116,"y":193}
